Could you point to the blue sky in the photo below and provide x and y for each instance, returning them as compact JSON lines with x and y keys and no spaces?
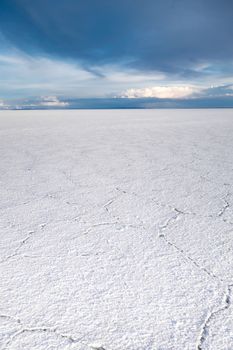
{"x":55,"y":52}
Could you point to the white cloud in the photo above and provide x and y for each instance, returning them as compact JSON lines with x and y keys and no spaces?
{"x":3,"y":105}
{"x":53,"y":101}
{"x":161,"y":92}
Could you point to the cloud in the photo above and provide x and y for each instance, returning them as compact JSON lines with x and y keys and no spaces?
{"x":24,"y":75}
{"x":172,"y":36}
{"x":53,"y":101}
{"x":123,"y":75}
{"x":3,"y":105}
{"x":172,"y":96}
{"x":173,"y":92}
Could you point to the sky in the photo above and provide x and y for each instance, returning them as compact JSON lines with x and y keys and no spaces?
{"x":70,"y":53}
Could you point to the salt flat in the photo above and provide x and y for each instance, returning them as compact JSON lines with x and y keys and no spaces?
{"x":116,"y":230}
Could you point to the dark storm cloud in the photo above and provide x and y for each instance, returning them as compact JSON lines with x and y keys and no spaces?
{"x":168,"y":35}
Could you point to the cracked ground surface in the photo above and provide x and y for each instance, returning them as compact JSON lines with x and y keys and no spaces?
{"x":116,"y":230}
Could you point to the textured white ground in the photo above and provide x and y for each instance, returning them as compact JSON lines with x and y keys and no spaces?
{"x":116,"y":230}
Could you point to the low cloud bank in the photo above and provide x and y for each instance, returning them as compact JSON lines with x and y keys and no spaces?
{"x":53,"y":101}
{"x":3,"y":105}
{"x":161,"y":92}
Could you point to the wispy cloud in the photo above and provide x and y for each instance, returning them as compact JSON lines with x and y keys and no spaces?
{"x":123,"y":74}
{"x":23,"y":76}
{"x":180,"y":37}
{"x":158,"y":49}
